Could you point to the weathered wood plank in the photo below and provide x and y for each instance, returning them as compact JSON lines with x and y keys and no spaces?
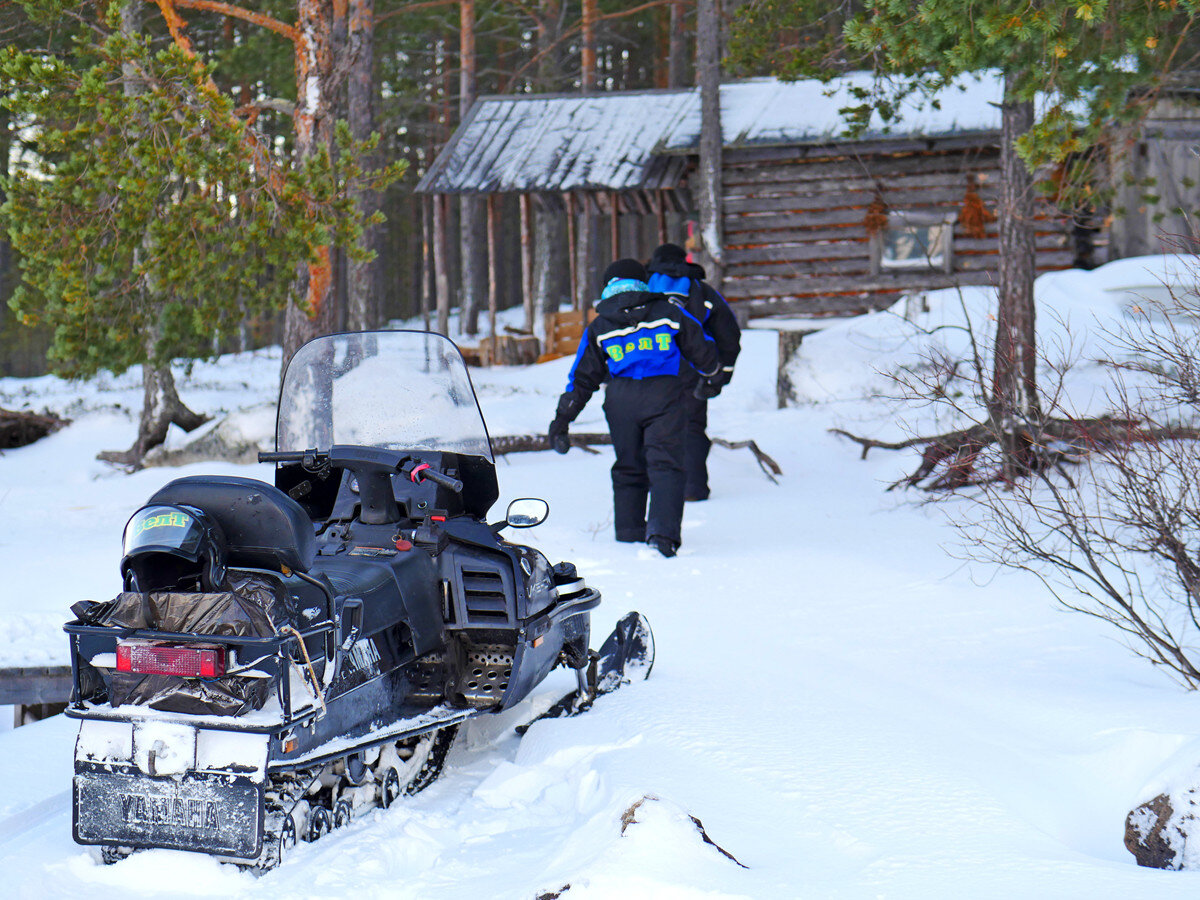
{"x":988,"y":141}
{"x":796,"y":252}
{"x":800,"y":269}
{"x":897,"y":199}
{"x":1045,"y":240}
{"x":861,"y":265}
{"x":738,"y":288}
{"x":855,"y":243}
{"x":820,"y":306}
{"x":795,"y":180}
{"x":34,"y":684}
{"x":763,"y":224}
{"x":833,"y":186}
{"x":745,"y":222}
{"x":852,"y":232}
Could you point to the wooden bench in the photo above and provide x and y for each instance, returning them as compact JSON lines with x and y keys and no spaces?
{"x":563,"y":331}
{"x":35,"y":692}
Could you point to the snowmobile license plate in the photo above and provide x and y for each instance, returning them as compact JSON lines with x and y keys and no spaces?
{"x":220,"y":814}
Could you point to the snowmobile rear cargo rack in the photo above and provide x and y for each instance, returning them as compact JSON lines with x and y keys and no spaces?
{"x":269,"y":655}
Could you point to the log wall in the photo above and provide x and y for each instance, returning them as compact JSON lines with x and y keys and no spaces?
{"x":795,"y":239}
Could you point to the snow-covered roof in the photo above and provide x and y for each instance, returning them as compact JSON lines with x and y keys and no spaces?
{"x":561,"y":143}
{"x":770,"y":111}
{"x":629,"y":140}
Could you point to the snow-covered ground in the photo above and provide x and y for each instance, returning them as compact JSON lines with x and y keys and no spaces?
{"x":849,"y":711}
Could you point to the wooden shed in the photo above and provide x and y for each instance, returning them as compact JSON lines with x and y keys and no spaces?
{"x":1157,"y":207}
{"x":814,"y":223}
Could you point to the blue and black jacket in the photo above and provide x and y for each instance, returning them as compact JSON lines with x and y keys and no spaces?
{"x":636,"y":334}
{"x":684,"y":280}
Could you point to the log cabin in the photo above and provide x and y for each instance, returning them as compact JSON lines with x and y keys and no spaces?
{"x":815,"y":222}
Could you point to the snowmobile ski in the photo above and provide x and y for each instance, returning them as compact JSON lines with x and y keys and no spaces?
{"x":626,"y":655}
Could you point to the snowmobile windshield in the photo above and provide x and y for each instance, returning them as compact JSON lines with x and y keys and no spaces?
{"x":398,"y":390}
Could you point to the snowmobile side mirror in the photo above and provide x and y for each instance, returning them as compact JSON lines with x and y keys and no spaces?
{"x":525,"y":512}
{"x":350,"y":624}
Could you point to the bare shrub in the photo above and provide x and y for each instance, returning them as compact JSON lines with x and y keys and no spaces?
{"x":1106,"y":510}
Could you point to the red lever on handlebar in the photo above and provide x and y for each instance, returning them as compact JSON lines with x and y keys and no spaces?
{"x":416,"y":469}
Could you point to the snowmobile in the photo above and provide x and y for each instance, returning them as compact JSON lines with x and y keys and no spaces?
{"x":287,"y":656}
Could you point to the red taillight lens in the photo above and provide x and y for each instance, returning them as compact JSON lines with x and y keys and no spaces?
{"x":188,"y":660}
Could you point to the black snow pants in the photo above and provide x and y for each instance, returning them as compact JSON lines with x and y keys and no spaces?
{"x":695,"y":439}
{"x":646,"y":419}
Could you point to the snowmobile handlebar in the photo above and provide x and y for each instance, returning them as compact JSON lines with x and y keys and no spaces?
{"x":418,"y":472}
{"x":413,"y":469}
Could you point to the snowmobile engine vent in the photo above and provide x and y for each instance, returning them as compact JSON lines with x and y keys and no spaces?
{"x":428,"y":678}
{"x":485,"y":594}
{"x":484,"y":678}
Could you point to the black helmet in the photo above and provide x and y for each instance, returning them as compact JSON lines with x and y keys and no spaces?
{"x":171,"y":547}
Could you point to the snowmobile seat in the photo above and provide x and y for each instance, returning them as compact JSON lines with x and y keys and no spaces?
{"x":264,"y":527}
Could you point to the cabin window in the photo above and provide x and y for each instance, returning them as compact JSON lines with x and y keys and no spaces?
{"x":915,"y":241}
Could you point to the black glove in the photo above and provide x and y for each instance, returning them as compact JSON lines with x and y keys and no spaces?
{"x":560,"y":440}
{"x":706,"y":388}
{"x":569,"y":405}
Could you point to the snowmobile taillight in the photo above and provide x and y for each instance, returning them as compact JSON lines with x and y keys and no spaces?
{"x":187,"y":660}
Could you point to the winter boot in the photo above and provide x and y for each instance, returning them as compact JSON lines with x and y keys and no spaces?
{"x":663,"y":545}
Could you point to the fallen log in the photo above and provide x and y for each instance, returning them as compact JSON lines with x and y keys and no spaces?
{"x":587,"y":441}
{"x":1048,"y":444}
{"x":20,"y":429}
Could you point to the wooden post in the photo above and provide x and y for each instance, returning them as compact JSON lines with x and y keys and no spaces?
{"x":527,"y":288}
{"x":615,"y":200}
{"x":493,"y":274}
{"x":660,"y":209}
{"x":585,"y":251}
{"x":427,"y":283}
{"x":571,"y":250}
{"x":441,"y":272}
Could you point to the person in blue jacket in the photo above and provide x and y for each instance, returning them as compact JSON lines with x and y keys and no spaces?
{"x":639,"y":343}
{"x":672,"y":274}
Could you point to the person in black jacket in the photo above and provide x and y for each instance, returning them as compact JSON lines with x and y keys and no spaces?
{"x":639,"y":343}
{"x":672,"y":274}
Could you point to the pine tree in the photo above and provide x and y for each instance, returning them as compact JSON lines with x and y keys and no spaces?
{"x":151,"y":223}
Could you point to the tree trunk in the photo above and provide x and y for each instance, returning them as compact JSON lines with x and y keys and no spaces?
{"x":363,"y":278}
{"x":708,"y":71}
{"x":587,"y":226}
{"x":551,"y":266}
{"x":161,"y":408}
{"x":587,"y":48}
{"x":161,"y":405}
{"x":676,"y":52}
{"x":472,"y":240}
{"x":311,"y":312}
{"x":1014,"y":397}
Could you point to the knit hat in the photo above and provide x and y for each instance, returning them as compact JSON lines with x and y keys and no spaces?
{"x":625,"y":268}
{"x":671,"y":260}
{"x":666,"y":254}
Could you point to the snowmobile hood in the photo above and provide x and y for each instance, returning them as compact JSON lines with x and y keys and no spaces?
{"x":628,"y":307}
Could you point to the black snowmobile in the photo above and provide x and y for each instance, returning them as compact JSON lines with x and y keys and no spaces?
{"x":284,"y":657}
